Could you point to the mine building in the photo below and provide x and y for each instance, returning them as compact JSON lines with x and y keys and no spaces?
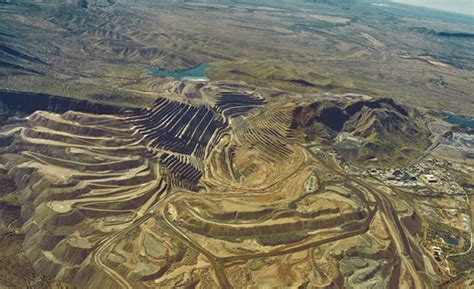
{"x":437,"y":253}
{"x":430,"y":178}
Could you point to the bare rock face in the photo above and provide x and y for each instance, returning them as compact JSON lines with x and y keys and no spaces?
{"x":198,"y":195}
{"x":379,"y":125}
{"x":60,"y":164}
{"x":83,"y":177}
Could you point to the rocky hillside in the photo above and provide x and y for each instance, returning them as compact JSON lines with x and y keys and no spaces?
{"x":377,"y":129}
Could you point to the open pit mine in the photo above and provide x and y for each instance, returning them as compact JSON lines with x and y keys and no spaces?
{"x":230,"y":188}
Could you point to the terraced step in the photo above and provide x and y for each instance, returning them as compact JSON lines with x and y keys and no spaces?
{"x":72,"y":170}
{"x":232,"y":104}
{"x":179,"y":127}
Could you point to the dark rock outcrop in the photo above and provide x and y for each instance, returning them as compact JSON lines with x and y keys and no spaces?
{"x":12,"y":102}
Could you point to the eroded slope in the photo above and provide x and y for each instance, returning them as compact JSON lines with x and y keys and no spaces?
{"x":218,"y":194}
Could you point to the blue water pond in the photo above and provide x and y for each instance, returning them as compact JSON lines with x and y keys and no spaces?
{"x":196,"y":73}
{"x":454,"y":119}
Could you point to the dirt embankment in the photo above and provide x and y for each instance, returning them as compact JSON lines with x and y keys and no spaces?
{"x":14,"y":102}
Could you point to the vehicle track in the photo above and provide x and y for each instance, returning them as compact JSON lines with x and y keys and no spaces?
{"x":218,"y":263}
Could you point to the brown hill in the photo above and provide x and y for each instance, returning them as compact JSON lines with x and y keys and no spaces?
{"x":378,"y":129}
